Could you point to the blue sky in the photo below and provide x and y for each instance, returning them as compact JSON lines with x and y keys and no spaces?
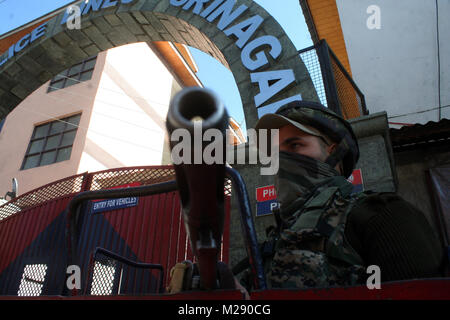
{"x":15,"y":13}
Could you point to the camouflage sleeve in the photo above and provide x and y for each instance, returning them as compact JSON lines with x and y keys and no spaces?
{"x":389,"y":232}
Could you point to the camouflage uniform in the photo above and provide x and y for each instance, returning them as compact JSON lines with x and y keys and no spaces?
{"x":311,"y":249}
{"x":321,"y":223}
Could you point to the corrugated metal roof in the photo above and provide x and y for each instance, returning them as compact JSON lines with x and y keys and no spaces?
{"x":421,"y":135}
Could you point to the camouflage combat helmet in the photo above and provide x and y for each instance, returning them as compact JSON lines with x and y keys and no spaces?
{"x":318,"y":120}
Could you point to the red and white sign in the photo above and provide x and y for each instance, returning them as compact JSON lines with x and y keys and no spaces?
{"x":266,"y":200}
{"x":265,"y":193}
{"x":357,"y":180}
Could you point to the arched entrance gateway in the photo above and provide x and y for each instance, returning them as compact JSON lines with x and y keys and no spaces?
{"x":268,"y":72}
{"x":239,"y":33}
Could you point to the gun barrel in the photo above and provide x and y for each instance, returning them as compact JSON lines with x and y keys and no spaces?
{"x":200,"y":182}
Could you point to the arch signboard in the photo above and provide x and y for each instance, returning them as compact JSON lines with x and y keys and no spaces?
{"x":239,"y":33}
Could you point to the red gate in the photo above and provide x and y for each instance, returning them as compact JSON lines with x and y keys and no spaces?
{"x":33,"y":252}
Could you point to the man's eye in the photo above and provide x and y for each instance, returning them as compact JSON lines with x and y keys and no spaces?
{"x":296,"y":145}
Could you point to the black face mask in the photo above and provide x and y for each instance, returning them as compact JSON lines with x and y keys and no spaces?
{"x":298,"y":176}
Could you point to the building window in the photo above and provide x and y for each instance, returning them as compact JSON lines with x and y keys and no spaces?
{"x":32,"y":282}
{"x":78,"y":73}
{"x":51,"y":142}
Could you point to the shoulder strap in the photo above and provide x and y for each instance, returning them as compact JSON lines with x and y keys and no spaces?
{"x":337,"y":246}
{"x":314,"y":208}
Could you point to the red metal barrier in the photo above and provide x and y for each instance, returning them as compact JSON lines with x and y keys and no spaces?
{"x":151,"y":232}
{"x":32,"y":237}
{"x":32,"y":233}
{"x":422,"y":289}
{"x":22,"y":229}
{"x":32,"y":230}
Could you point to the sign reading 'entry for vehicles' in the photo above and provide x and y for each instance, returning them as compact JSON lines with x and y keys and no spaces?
{"x":266,"y":200}
{"x":114,"y":204}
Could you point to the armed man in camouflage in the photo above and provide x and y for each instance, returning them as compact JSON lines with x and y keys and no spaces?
{"x":327,"y":235}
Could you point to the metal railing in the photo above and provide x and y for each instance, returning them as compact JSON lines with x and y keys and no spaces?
{"x":334,"y":86}
{"x":106,"y":276}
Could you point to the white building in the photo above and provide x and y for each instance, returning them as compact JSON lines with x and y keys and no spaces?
{"x":398,"y":52}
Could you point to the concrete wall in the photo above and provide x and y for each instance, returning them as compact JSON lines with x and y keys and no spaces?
{"x":396,"y":66}
{"x":253,"y":179}
{"x":444,"y":48}
{"x":413,"y":186}
{"x":376,"y":159}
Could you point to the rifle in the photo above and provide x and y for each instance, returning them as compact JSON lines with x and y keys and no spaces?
{"x":201,"y":185}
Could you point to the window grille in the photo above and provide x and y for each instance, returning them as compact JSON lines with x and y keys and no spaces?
{"x":51,"y":142}
{"x":80,"y":72}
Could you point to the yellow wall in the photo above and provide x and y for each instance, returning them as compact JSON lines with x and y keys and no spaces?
{"x":328,"y":25}
{"x":325,"y":16}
